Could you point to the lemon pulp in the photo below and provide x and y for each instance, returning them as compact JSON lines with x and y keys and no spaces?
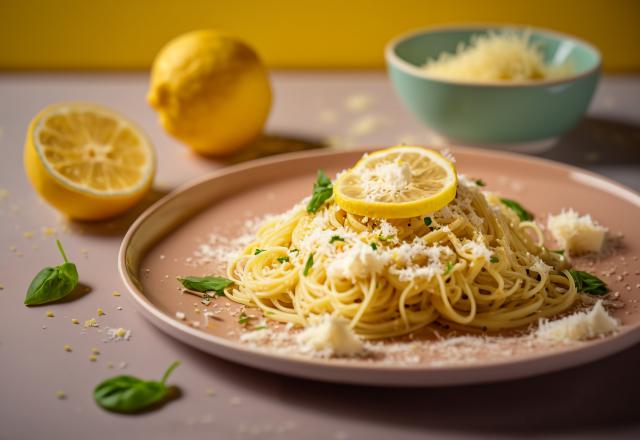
{"x":88,"y":161}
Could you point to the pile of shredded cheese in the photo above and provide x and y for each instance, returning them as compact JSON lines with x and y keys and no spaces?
{"x":506,"y":56}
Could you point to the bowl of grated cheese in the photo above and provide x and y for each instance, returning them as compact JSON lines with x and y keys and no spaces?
{"x":498,"y":86}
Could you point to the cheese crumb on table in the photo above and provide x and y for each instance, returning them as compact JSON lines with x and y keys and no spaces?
{"x":100,"y":312}
{"x":75,"y":321}
{"x":577,"y":234}
{"x":115,"y":293}
{"x":91,"y":322}
{"x":50,"y":314}
{"x":61,"y":394}
{"x":580,"y":326}
{"x":68,"y":348}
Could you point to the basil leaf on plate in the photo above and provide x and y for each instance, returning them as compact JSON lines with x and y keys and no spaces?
{"x":322,"y":191}
{"x":206,"y":284}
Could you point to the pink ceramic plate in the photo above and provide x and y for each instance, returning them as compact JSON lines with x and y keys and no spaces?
{"x":158,"y":246}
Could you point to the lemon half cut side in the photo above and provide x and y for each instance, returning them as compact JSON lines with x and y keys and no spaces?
{"x":88,"y":161}
{"x":397,"y":182}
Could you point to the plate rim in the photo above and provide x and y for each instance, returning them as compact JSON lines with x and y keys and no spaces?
{"x":378,"y":375}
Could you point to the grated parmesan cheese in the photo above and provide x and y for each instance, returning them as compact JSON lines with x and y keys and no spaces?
{"x":477,"y":250}
{"x":506,"y":56}
{"x":577,"y":234}
{"x":579,"y":326}
{"x":331,"y":334}
{"x":385,"y":179}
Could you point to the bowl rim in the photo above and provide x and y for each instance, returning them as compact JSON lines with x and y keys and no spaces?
{"x":393,"y":59}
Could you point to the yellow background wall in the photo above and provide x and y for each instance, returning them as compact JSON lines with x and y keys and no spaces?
{"x":126,"y":34}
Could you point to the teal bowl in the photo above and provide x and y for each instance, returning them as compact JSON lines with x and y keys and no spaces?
{"x":497,"y":112}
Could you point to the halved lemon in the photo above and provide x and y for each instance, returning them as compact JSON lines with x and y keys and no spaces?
{"x":398,"y":182}
{"x":88,"y":161}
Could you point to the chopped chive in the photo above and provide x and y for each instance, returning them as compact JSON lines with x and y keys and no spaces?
{"x":282,"y":259}
{"x":243,"y":318}
{"x":308,"y":264}
{"x":449,"y":267}
{"x":336,"y":238}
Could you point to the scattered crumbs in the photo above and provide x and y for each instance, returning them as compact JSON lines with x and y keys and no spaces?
{"x":210,"y":392}
{"x":100,"y":312}
{"x":94,"y":350}
{"x":44,"y":327}
{"x":91,"y":323}
{"x":162,"y":257}
{"x":68,"y":348}
{"x":119,"y":308}
{"x":365,"y":125}
{"x":1,"y":286}
{"x":328,"y":116}
{"x":47,"y":231}
{"x":93,"y":357}
{"x":115,"y":293}
{"x":50,"y":314}
{"x":61,"y":394}
{"x":358,"y":102}
{"x":235,"y":401}
{"x":181,"y":316}
{"x":117,"y":334}
{"x":110,"y":365}
{"x":195,"y":324}
{"x":27,"y":234}
{"x":122,"y":365}
{"x":75,"y":321}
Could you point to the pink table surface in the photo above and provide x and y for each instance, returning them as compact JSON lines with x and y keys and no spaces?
{"x":311,"y":108}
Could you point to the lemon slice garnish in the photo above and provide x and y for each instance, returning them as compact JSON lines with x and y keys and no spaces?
{"x":397,"y":182}
{"x":88,"y":161}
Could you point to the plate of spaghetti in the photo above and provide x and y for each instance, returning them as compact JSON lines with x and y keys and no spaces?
{"x":397,"y":266}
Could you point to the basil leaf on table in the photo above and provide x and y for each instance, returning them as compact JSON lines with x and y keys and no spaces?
{"x":52,"y":283}
{"x":206,"y":284}
{"x":128,"y":394}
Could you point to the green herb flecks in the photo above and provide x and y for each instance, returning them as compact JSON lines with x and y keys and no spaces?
{"x":258,"y":251}
{"x":480,"y":182}
{"x":206,"y":284}
{"x":308,"y":265}
{"x":516,"y":207}
{"x":335,"y":238}
{"x":243,"y":319}
{"x":449,"y":268}
{"x":322,"y":191}
{"x":297,"y":251}
{"x":261,"y":327}
{"x":588,"y":283}
{"x":385,"y":238}
{"x":427,"y":221}
{"x":128,"y":394}
{"x":557,"y":251}
{"x":283,"y":259}
{"x":374,"y":246}
{"x":53,"y":283}
{"x":494,"y":259}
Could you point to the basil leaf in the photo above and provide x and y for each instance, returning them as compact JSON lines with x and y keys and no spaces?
{"x":206,"y":284}
{"x":322,"y":191}
{"x":522,"y":213}
{"x":128,"y":394}
{"x":52,"y":283}
{"x":587,"y":283}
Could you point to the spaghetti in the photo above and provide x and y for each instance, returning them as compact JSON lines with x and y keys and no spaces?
{"x":471,"y":265}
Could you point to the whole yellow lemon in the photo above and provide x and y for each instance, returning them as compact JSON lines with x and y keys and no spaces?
{"x":211,"y":91}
